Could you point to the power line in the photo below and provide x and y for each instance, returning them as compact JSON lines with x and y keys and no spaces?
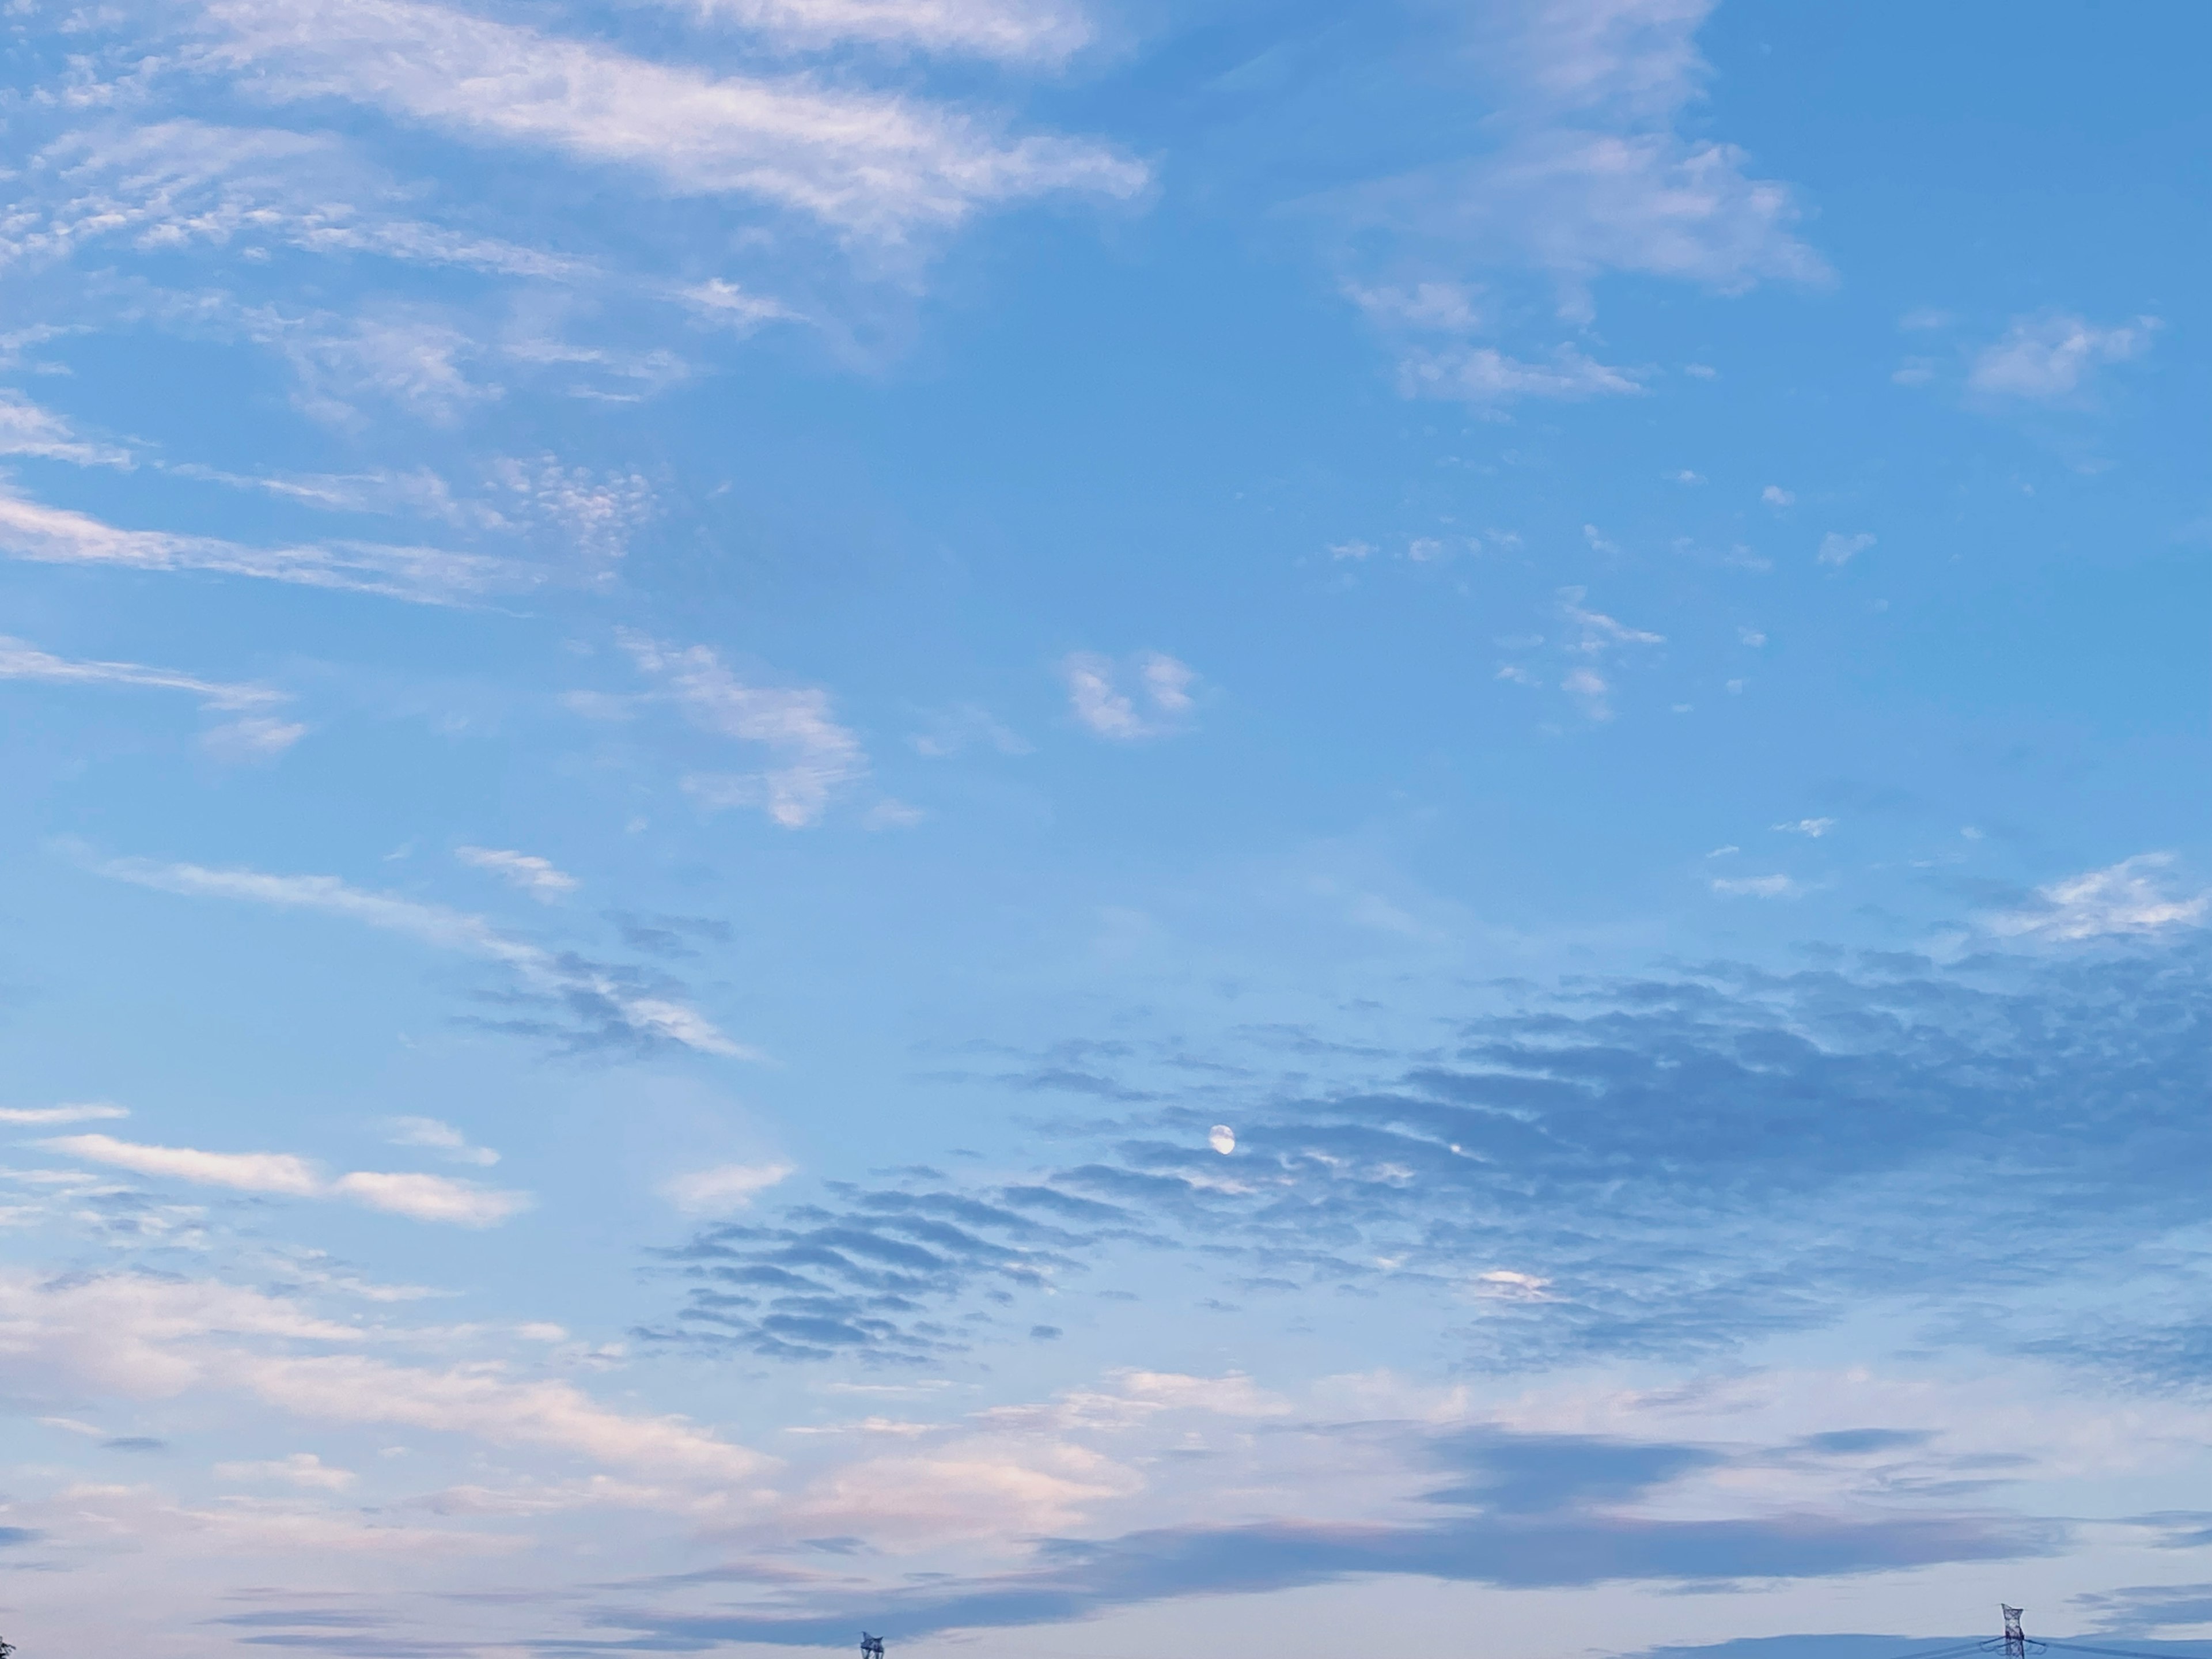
{"x":1951,"y":1652}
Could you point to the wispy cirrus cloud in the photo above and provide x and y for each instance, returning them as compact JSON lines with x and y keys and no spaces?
{"x":1156,"y":703}
{"x":1009,"y":31}
{"x":20,"y":660}
{"x":441,"y":1137}
{"x":868,"y":164}
{"x":723,"y":1188}
{"x":1587,"y":168}
{"x":418,"y":1197}
{"x":148,"y":1336}
{"x":91,"y":1111}
{"x":37,"y":533}
{"x":1591,"y":639}
{"x":1775,"y":886}
{"x":251,"y":737}
{"x":175,"y":182}
{"x":28,"y":428}
{"x":2138,"y":896}
{"x":1483,"y":374}
{"x":537,"y":877}
{"x":816,"y":757}
{"x":2050,"y":357}
{"x":601,"y":1004}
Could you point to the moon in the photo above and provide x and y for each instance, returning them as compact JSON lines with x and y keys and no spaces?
{"x":1222,"y":1138}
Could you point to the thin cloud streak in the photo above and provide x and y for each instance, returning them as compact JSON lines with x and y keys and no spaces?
{"x":419,"y":1197}
{"x":594,"y":992}
{"x":20,"y":660}
{"x":50,"y":535}
{"x":1022,"y":31}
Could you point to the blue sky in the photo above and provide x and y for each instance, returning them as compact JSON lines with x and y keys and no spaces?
{"x":1097,"y":829}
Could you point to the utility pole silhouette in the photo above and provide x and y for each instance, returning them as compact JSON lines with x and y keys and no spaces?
{"x":2015,"y":1639}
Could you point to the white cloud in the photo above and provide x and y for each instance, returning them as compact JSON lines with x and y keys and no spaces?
{"x":1353,"y":551}
{"x":1483,"y":374}
{"x":598,"y":513}
{"x":240,"y":1171}
{"x":1685,"y":477}
{"x":20,"y":660}
{"x":85,"y":1112}
{"x":1232,"y":1395}
{"x":731,"y":307}
{"x":1593,"y":635}
{"x":2134,"y":897}
{"x":562,"y":974}
{"x":258,"y":738}
{"x":419,"y":493}
{"x":1021,"y":32}
{"x":1167,"y":684}
{"x":875,"y":164}
{"x":535,"y":876}
{"x":1447,"y":308}
{"x":1814,"y":827}
{"x":417,"y":361}
{"x":441,"y":1137}
{"x":1756,"y":886}
{"x":54,"y":535}
{"x":477,"y":1401}
{"x":170,"y":184}
{"x":300,"y":1469}
{"x":245,"y":1172}
{"x":1597,"y":632}
{"x":420,"y":1197}
{"x":819,"y":756}
{"x":1594,"y":173}
{"x":2045,"y":359}
{"x":431,"y":1197}
{"x":1839,"y":549}
{"x":977,"y":1487}
{"x":28,"y":429}
{"x":726,"y":1187}
{"x":1592,"y":690}
{"x":1503,"y":1284}
{"x":143,"y":1337}
{"x":1586,"y":168}
{"x":1158,"y":706}
{"x":1775,"y":495}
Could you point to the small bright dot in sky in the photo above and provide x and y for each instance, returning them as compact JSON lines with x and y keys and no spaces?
{"x":1222,"y":1138}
